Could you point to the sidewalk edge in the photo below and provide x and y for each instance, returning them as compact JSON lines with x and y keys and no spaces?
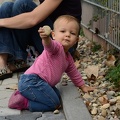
{"x":73,"y":106}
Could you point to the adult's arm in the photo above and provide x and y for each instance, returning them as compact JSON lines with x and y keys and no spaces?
{"x":30,"y":19}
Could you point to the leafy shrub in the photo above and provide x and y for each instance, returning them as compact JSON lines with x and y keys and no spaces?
{"x":95,"y":47}
{"x":113,"y":75}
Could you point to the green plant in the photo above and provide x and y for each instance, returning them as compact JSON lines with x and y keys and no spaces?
{"x":95,"y":18}
{"x":82,"y":32}
{"x":95,"y":47}
{"x":113,"y":75}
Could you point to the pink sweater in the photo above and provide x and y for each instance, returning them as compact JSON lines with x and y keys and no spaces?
{"x":52,"y":63}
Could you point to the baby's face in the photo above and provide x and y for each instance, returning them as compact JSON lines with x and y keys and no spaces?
{"x":66,"y":33}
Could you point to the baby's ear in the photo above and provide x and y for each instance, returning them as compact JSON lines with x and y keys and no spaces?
{"x":53,"y":34}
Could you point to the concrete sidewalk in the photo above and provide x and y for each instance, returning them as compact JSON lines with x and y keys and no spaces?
{"x":73,"y":106}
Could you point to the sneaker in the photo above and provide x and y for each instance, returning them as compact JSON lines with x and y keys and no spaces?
{"x":17,"y":101}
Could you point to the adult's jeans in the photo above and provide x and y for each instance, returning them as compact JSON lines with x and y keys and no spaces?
{"x":41,"y":96}
{"x":15,"y":41}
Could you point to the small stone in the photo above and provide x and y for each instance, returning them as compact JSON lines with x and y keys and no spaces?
{"x":101,"y":118}
{"x":94,"y":111}
{"x":95,"y":105}
{"x":64,"y":83}
{"x":112,"y":93}
{"x":87,"y":97}
{"x":84,"y":78}
{"x":56,"y":111}
{"x":112,"y":101}
{"x":47,"y":29}
{"x":118,"y":98}
{"x":104,"y":112}
{"x":105,"y":106}
{"x":103,"y":100}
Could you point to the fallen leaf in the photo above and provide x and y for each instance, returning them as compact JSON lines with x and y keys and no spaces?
{"x":110,"y":60}
{"x":12,"y":87}
{"x":92,"y":70}
{"x":103,"y":100}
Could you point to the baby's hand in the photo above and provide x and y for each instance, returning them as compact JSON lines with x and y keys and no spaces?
{"x":86,"y":88}
{"x":44,"y":31}
{"x":45,"y":34}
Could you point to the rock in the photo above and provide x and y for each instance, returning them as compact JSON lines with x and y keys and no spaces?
{"x":112,"y":93}
{"x":95,"y":105}
{"x":118,"y":98}
{"x":112,"y":101}
{"x":47,"y":30}
{"x":117,"y":112}
{"x":94,"y":111}
{"x":101,"y":118}
{"x":103,"y":100}
{"x":84,"y":77}
{"x":104,"y":112}
{"x":87,"y":97}
{"x":118,"y":105}
{"x":105,"y":106}
{"x":56,"y":112}
{"x":64,"y":83}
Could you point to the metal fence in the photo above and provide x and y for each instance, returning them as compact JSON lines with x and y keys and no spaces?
{"x":105,"y":20}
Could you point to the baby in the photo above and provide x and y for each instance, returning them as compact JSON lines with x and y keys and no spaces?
{"x":36,"y":88}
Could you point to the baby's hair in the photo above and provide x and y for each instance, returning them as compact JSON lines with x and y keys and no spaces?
{"x":68,"y":18}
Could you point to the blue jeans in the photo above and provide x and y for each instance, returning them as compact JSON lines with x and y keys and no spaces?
{"x":15,"y":41}
{"x":41,"y":96}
